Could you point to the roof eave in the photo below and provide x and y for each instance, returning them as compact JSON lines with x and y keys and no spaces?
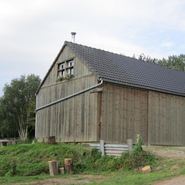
{"x":65,"y":44}
{"x":143,"y":87}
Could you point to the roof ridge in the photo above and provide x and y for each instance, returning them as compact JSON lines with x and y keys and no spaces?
{"x":123,"y":56}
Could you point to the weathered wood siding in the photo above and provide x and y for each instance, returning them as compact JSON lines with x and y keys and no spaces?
{"x":79,"y":67}
{"x":74,"y":119}
{"x":124,"y":114}
{"x":166,"y":119}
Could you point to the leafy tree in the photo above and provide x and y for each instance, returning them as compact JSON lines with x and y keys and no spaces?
{"x":146,"y":58}
{"x":174,"y":62}
{"x":17,"y":106}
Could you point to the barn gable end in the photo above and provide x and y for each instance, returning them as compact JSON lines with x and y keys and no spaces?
{"x":71,"y":115}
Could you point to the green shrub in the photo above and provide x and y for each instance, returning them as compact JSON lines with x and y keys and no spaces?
{"x":32,"y":159}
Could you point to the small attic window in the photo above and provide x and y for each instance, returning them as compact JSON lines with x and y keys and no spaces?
{"x":66,"y":67}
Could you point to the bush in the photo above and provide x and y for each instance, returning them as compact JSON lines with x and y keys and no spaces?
{"x":32,"y":159}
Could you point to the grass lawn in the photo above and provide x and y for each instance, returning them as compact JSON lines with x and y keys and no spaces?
{"x":25,"y":163}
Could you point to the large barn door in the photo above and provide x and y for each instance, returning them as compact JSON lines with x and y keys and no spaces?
{"x":124,"y":114}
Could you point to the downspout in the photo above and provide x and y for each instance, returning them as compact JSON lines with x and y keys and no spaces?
{"x":70,"y":96}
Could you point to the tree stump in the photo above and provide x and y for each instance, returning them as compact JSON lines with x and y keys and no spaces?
{"x":49,"y":140}
{"x":61,"y":170}
{"x":53,"y":167}
{"x":69,"y":165}
{"x":14,"y":142}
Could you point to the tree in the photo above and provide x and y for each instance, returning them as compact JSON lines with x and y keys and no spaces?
{"x":146,"y":58}
{"x":174,"y":62}
{"x":17,"y":106}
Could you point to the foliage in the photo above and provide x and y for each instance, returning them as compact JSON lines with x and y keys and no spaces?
{"x":32,"y":159}
{"x":138,"y":147}
{"x":144,"y":58}
{"x":68,"y":76}
{"x":174,"y":62}
{"x":60,"y":78}
{"x":17,"y":107}
{"x":116,"y":177}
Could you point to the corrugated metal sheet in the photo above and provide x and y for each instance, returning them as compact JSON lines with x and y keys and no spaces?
{"x":112,"y":149}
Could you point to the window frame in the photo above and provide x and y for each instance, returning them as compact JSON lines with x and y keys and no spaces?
{"x":66,"y":69}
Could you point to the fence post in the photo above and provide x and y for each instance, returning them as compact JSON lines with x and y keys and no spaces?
{"x":102,"y":149}
{"x":137,"y":137}
{"x":130,"y":145}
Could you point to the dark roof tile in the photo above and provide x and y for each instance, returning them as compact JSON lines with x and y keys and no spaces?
{"x":119,"y":68}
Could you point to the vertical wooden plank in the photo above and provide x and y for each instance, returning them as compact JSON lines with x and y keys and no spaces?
{"x":121,"y":116}
{"x":87,"y":112}
{"x":104,"y":112}
{"x":114,"y":115}
{"x":108,"y":133}
{"x":136,"y":116}
{"x":125,"y":110}
{"x":150,"y":125}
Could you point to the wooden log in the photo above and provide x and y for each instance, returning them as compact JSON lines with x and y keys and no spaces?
{"x":4,"y":143}
{"x":69,"y":165}
{"x":52,"y":140}
{"x":53,"y":167}
{"x":49,"y":140}
{"x":61,"y":170}
{"x":14,"y":142}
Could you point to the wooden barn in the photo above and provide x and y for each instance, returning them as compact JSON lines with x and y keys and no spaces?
{"x":90,"y":94}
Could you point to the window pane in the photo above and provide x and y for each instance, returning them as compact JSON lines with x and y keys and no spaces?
{"x":71,"y":72}
{"x":63,"y":73}
{"x":63,"y":66}
{"x":71,"y":63}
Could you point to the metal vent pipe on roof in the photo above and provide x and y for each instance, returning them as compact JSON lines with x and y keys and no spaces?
{"x":73,"y":36}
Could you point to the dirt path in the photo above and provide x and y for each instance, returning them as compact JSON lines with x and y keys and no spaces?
{"x":177,"y":152}
{"x":171,"y":152}
{"x":78,"y":179}
{"x":174,"y":181}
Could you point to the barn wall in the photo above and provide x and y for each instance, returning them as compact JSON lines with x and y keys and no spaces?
{"x":74,"y":119}
{"x":124,"y":114}
{"x":166,"y":119}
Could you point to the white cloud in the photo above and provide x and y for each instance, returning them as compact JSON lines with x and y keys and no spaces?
{"x":32,"y":32}
{"x":167,"y":44}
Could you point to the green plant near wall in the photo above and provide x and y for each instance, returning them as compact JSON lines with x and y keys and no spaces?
{"x":60,"y":78}
{"x":68,"y":76}
{"x":138,"y":147}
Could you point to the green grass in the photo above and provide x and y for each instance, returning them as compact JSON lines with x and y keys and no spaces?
{"x":32,"y":159}
{"x":29,"y":162}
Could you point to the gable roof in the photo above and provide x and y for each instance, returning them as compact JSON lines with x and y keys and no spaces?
{"x":129,"y":71}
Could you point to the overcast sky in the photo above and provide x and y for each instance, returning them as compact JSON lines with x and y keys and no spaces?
{"x":33,"y":31}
